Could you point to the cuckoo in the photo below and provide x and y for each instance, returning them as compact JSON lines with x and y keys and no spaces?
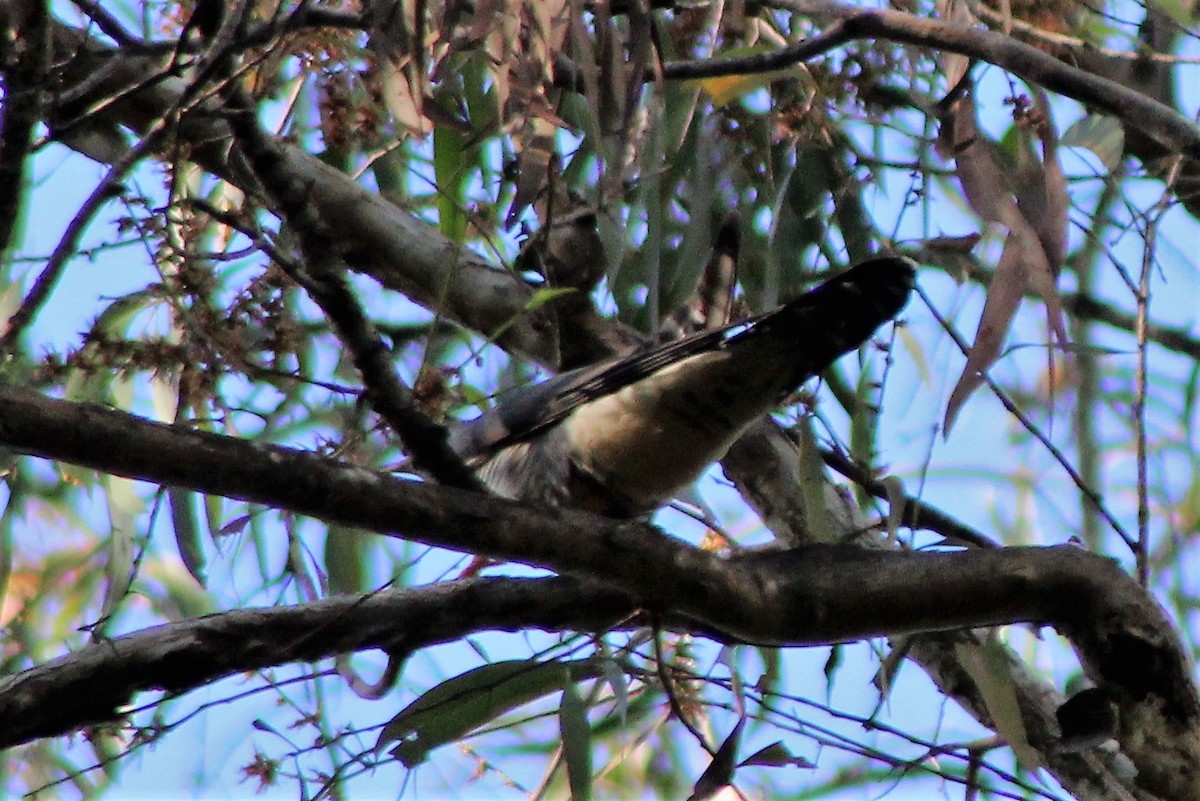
{"x":622,"y":437}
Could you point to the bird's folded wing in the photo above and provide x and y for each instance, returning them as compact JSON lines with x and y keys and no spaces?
{"x":883,"y":283}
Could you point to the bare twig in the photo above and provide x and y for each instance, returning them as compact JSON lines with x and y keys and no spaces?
{"x":1142,"y":372}
{"x":916,"y":513}
{"x":1090,"y":493}
{"x":67,"y":247}
{"x":789,"y":56}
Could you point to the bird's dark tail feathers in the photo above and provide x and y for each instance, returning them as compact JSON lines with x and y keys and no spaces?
{"x":840,"y":314}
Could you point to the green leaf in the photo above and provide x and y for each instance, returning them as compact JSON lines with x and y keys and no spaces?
{"x":459,"y":705}
{"x":776,"y":755}
{"x":1100,"y":134}
{"x":831,"y":666}
{"x":772,"y":675}
{"x":178,"y":596}
{"x":619,"y":682}
{"x":987,"y":665}
{"x":546,"y":294}
{"x":720,"y":771}
{"x":576,"y":739}
{"x":813,"y":483}
{"x":187,"y":531}
{"x":450,"y":170}
{"x":124,"y":506}
{"x":1179,"y":11}
{"x":345,"y":562}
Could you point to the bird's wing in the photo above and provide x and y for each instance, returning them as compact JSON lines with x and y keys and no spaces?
{"x":868,"y":295}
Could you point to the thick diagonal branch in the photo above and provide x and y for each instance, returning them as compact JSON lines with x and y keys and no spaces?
{"x":92,"y":685}
{"x":817,"y":594}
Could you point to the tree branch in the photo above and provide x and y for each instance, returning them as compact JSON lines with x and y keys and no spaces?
{"x":323,"y":276}
{"x":93,"y":685}
{"x":1167,"y":126}
{"x":798,"y":597}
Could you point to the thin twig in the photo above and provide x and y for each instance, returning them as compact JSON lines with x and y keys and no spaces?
{"x":1157,"y":120}
{"x":789,"y":56}
{"x":67,"y":247}
{"x":1141,"y":373}
{"x":917,"y":513}
{"x":1144,"y":55}
{"x":1092,"y":495}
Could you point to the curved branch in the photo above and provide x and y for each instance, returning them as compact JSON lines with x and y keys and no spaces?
{"x":797,"y":597}
{"x":94,"y":684}
{"x":1170,"y":128}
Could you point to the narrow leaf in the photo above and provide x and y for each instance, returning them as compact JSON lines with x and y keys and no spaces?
{"x":987,"y":666}
{"x":720,"y":771}
{"x":813,"y":482}
{"x":619,"y":682}
{"x":450,"y":169}
{"x":576,"y":740}
{"x":188,"y":540}
{"x":345,"y":559}
{"x":459,"y":705}
{"x":986,"y":186}
{"x":1004,"y":296}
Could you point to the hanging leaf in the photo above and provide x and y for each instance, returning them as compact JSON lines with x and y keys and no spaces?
{"x":459,"y":705}
{"x":345,"y":558}
{"x":813,"y":481}
{"x":1100,"y":134}
{"x":720,"y":771}
{"x":619,"y":682}
{"x":987,"y":665}
{"x":576,"y":740}
{"x":1033,"y":205}
{"x":451,"y":167}
{"x":186,"y":525}
{"x":1003,"y":298}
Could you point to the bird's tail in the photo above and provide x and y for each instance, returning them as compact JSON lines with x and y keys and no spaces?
{"x":837,"y":316}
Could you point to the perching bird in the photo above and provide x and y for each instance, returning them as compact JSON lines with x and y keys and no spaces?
{"x":622,"y":437}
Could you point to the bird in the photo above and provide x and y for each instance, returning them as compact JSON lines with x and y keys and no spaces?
{"x":622,"y":437}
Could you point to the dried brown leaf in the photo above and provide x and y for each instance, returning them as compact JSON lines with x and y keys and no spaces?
{"x":1003,"y":298}
{"x":404,"y":100}
{"x":548,"y":25}
{"x":535,"y":162}
{"x":956,"y":244}
{"x":955,"y":65}
{"x":586,"y":52}
{"x":987,"y":188}
{"x":1041,"y":185}
{"x":611,"y":59}
{"x":1033,"y":205}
